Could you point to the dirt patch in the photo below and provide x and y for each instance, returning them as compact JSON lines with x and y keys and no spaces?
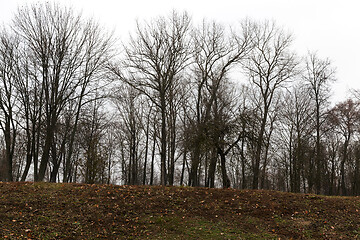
{"x":80,"y":211}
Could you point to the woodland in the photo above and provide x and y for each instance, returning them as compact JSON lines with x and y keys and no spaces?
{"x":178,"y":103}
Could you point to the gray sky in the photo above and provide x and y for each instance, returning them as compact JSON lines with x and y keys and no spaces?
{"x":330,"y":27}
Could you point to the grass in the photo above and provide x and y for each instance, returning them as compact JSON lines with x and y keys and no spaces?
{"x":80,"y":211}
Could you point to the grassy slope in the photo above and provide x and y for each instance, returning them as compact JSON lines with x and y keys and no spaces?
{"x":76,"y":211}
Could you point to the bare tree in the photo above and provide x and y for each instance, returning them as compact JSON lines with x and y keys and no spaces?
{"x":66,"y":52}
{"x":97,"y":52}
{"x":296,"y":120}
{"x":271,"y":64}
{"x":226,"y":131}
{"x":93,"y":126}
{"x":214,"y":55}
{"x":9,"y":64}
{"x":154,"y":59}
{"x":345,"y":118}
{"x":318,"y":75}
{"x":130,"y":110}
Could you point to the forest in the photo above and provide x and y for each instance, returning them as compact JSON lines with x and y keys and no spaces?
{"x":178,"y":103}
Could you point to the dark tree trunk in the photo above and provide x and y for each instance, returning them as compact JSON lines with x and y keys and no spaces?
{"x":183,"y":168}
{"x":259,"y":145}
{"x":153,"y":157}
{"x":163,"y":175}
{"x":146,"y":150}
{"x":225,"y":178}
{"x":195,"y":161}
{"x":212,"y":170}
{"x":50,"y":129}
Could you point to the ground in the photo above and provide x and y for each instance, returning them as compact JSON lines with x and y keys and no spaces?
{"x":80,"y":211}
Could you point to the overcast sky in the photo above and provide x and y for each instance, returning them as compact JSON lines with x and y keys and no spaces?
{"x":330,"y":27}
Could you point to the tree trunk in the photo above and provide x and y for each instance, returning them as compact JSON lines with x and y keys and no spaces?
{"x":317,"y":146}
{"x":146,"y":150}
{"x":163,"y":176}
{"x":342,"y":168}
{"x":28,"y":157}
{"x":48,"y":143}
{"x":212,"y":170}
{"x":9,"y":145}
{"x":183,"y":168}
{"x":259,"y":144}
{"x":67,"y":166}
{"x":225,"y":178}
{"x":193,"y":176}
{"x":153,"y":157}
{"x":172,"y":152}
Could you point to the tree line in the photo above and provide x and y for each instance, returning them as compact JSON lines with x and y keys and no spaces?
{"x":179,"y":103}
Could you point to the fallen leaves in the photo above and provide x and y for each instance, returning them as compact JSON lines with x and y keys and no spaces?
{"x":88,"y":210}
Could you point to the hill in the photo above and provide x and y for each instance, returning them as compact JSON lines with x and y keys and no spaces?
{"x":79,"y":211}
